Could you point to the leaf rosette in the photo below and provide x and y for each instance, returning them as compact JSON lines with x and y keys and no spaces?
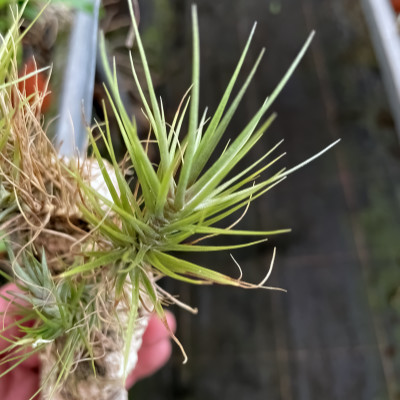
{"x":132,"y":222}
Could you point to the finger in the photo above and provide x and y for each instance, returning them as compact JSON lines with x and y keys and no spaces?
{"x":18,"y":384}
{"x":156,"y":330}
{"x":150,"y":359}
{"x":7,"y":318}
{"x":7,"y":315}
{"x":33,"y":362}
{"x":26,"y":390}
{"x":155,"y":350}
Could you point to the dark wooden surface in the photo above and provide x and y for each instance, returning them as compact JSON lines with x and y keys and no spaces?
{"x":336,"y":333}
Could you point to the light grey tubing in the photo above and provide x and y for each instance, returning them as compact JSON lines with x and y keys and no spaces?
{"x":76,"y":99}
{"x":385,"y":36}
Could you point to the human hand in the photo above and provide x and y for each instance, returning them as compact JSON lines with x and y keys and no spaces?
{"x":23,"y":381}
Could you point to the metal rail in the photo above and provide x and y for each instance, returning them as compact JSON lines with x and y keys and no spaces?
{"x":385,"y":35}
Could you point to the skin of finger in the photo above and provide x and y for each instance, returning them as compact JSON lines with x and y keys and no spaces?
{"x":156,"y":330}
{"x":156,"y":349}
{"x":20,"y":384}
{"x":152,"y":359}
{"x":7,"y":317}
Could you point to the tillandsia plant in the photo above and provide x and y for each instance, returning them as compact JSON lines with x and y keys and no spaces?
{"x":89,"y":240}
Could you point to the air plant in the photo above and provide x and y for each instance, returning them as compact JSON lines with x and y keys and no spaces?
{"x":89,"y":239}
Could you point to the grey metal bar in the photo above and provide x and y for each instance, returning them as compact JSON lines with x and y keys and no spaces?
{"x":385,"y":36}
{"x":77,"y":93}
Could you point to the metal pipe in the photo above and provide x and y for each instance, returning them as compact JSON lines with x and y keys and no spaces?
{"x":385,"y":36}
{"x":76,"y":98}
